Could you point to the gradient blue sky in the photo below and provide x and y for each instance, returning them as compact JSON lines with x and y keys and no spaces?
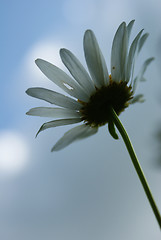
{"x":90,"y":189}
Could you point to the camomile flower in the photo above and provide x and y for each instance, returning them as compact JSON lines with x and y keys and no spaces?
{"x":91,"y":95}
{"x":97,"y":97}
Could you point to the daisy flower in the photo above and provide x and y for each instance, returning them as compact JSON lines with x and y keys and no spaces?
{"x":93,"y":94}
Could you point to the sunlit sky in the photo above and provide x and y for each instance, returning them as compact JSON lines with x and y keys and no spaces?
{"x":89,"y":190}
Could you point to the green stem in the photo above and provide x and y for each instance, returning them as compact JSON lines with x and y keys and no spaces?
{"x":136,"y":164}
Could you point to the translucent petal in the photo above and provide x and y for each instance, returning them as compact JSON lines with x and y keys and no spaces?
{"x":89,"y":132}
{"x":95,"y":60}
{"x":129,"y":28}
{"x":124,"y":55}
{"x":138,"y":98}
{"x":74,"y":134}
{"x":144,"y":67}
{"x":131,"y":56}
{"x":53,"y":112}
{"x":141,"y":73}
{"x":118,"y":53}
{"x":62,"y":80}
{"x":77,"y":71}
{"x":54,"y":98}
{"x":59,"y":122}
{"x":142,"y":41}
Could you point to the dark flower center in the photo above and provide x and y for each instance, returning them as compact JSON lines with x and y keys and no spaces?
{"x":96,"y":112}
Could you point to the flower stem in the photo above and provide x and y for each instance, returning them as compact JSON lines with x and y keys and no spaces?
{"x":136,"y":164}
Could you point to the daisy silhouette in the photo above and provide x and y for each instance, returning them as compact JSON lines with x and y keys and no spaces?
{"x":93,"y":94}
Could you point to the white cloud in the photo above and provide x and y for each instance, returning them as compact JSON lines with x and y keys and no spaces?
{"x":14,"y":152}
{"x":45,"y":49}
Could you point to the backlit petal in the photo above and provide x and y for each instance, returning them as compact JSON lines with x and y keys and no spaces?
{"x":118,"y":53}
{"x":61,"y":79}
{"x":74,"y":134}
{"x":57,"y":123}
{"x":131,"y":56}
{"x":53,"y":112}
{"x":129,"y":28}
{"x":138,"y":98}
{"x":54,"y":98}
{"x":141,"y":73}
{"x":77,"y":71}
{"x":142,"y":41}
{"x":95,"y":60}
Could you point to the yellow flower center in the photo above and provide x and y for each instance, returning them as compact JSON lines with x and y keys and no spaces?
{"x":96,"y":112}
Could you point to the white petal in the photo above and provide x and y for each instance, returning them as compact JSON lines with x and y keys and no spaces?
{"x":129,"y":28}
{"x":57,"y":123}
{"x":131,"y":56}
{"x":141,"y":73}
{"x":53,"y":112}
{"x":74,"y":134}
{"x":54,"y":98}
{"x":118,"y":53}
{"x":77,"y":71}
{"x":61,"y":79}
{"x":89,"y":132}
{"x":95,"y":60}
{"x":124,"y":55}
{"x":144,"y":67}
{"x":142,"y":41}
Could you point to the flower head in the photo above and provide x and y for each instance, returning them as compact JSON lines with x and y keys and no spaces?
{"x":91,"y":96}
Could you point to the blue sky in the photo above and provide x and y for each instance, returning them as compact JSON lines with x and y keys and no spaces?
{"x":90,"y":189}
